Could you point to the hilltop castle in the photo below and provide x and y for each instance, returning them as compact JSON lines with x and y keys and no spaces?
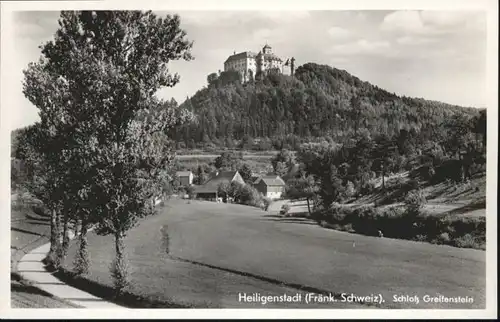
{"x":250,"y":64}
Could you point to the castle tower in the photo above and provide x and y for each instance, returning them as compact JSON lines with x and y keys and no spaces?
{"x":267,"y":49}
{"x":260,"y":63}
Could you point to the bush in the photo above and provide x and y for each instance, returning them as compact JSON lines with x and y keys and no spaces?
{"x":267,"y":203}
{"x":247,"y":195}
{"x":413,"y":184}
{"x":119,"y":272}
{"x":285,"y":209}
{"x":367,"y":187}
{"x":82,"y":259}
{"x":466,"y":241}
{"x":396,"y":183}
{"x":350,"y":190}
{"x":398,"y":222}
{"x":415,"y":201}
{"x":348,"y":228}
{"x":165,"y":239}
{"x":444,"y":238}
{"x":420,"y":238}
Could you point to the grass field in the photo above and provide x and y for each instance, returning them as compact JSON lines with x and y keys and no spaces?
{"x":217,"y":251}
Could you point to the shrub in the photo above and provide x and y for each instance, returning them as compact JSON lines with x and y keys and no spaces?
{"x":323,"y":223}
{"x":420,"y":238}
{"x":82,"y":259}
{"x":398,"y":222}
{"x":415,"y":200}
{"x":396,"y":183}
{"x":336,"y":227}
{"x":165,"y":239}
{"x":119,"y":273}
{"x":431,"y":173}
{"x":413,"y":184}
{"x":444,"y":238}
{"x":350,"y":190}
{"x":367,"y":187}
{"x":53,"y":260}
{"x":285,"y":209}
{"x":348,"y":228}
{"x":247,"y":195}
{"x":466,"y":241}
{"x":267,"y":203}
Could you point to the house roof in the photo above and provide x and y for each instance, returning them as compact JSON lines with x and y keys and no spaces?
{"x":254,"y":178}
{"x":271,"y":181}
{"x":183,"y":173}
{"x":271,"y":175}
{"x":212,"y":185}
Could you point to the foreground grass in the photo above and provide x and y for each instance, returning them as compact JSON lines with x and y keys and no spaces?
{"x":160,"y":280}
{"x":230,"y":249}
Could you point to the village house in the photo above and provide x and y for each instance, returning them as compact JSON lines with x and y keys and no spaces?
{"x":270,"y":185}
{"x":185,"y":178}
{"x":209,"y":190}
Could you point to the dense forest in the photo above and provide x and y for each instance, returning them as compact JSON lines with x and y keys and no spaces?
{"x":318,"y":102}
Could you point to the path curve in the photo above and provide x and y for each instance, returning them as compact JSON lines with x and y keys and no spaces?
{"x":31,"y":268}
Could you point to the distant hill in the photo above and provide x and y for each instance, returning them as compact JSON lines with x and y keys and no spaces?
{"x":320,"y":101}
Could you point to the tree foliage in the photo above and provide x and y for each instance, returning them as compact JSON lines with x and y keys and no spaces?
{"x":245,"y":172}
{"x":227,"y":161}
{"x":319,"y":102}
{"x":105,"y":133}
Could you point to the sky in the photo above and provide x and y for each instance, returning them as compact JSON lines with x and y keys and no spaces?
{"x":436,"y":55}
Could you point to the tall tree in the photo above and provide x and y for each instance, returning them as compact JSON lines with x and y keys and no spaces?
{"x":201,"y":176}
{"x":245,"y":172}
{"x":227,"y":161}
{"x":302,"y":187}
{"x":212,"y":78}
{"x":112,"y":63}
{"x":40,"y":156}
{"x":285,"y":157}
{"x":281,"y":169}
{"x":384,"y":156}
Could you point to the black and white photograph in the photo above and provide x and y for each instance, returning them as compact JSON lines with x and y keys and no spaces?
{"x":318,"y":160}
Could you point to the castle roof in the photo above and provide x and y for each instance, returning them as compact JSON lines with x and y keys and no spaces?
{"x":271,"y":57}
{"x":242,"y":55}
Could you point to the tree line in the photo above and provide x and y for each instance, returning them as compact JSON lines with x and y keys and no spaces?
{"x":280,"y":111}
{"x":455,"y":150}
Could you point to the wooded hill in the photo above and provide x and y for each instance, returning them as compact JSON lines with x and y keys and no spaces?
{"x":319,"y":101}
